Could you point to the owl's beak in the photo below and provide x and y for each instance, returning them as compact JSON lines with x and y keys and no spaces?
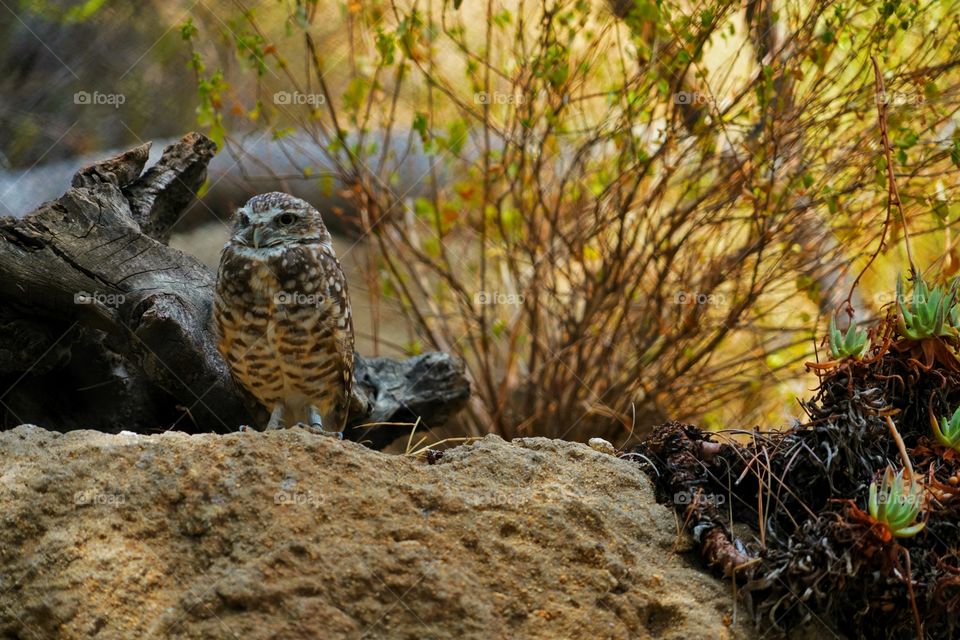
{"x":257,"y":237}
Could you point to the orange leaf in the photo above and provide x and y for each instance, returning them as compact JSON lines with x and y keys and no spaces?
{"x":450,"y":214}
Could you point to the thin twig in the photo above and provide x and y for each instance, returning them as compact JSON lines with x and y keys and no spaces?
{"x":893,"y":196}
{"x":901,"y":447}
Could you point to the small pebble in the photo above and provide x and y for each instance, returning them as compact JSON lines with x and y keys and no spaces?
{"x":601,"y":445}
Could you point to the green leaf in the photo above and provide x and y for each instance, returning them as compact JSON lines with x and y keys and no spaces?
{"x":325,"y":182}
{"x":423,"y":208}
{"x":188,"y":29}
{"x":83,"y":11}
{"x":907,"y":140}
{"x":355,"y":93}
{"x":456,"y":136}
{"x":420,"y":126}
{"x":386,"y":46}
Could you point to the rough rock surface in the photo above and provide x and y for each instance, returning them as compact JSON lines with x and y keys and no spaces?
{"x":291,"y":535}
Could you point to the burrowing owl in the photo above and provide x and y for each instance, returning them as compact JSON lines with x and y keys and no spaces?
{"x":283,"y":313}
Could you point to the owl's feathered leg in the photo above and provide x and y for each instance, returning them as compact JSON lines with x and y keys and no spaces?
{"x":316,"y":424}
{"x":276,"y":417}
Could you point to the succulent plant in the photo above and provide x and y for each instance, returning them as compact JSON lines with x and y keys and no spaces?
{"x":896,"y":504}
{"x":931,"y":312}
{"x":850,"y":345}
{"x":947,"y":430}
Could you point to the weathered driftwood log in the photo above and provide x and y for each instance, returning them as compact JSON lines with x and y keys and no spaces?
{"x":102,"y":325}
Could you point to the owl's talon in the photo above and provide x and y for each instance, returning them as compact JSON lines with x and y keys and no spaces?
{"x":332,"y":434}
{"x":245,"y":428}
{"x":276,"y":418}
{"x":320,"y":431}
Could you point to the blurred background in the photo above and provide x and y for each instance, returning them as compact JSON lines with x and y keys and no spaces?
{"x":615,"y":212}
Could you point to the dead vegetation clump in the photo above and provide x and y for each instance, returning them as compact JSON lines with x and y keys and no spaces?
{"x":827,"y":531}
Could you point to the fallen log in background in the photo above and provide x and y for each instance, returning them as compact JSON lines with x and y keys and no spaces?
{"x":104,"y":326}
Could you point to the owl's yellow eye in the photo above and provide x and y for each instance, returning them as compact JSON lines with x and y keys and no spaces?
{"x":244,"y":220}
{"x":286,"y":219}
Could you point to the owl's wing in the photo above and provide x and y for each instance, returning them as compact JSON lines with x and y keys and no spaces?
{"x":340,"y":313}
{"x":223,"y":317}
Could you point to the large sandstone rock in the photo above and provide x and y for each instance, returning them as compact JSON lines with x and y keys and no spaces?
{"x":291,"y":535}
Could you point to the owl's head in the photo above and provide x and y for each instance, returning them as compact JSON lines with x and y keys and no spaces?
{"x":276,"y":220}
